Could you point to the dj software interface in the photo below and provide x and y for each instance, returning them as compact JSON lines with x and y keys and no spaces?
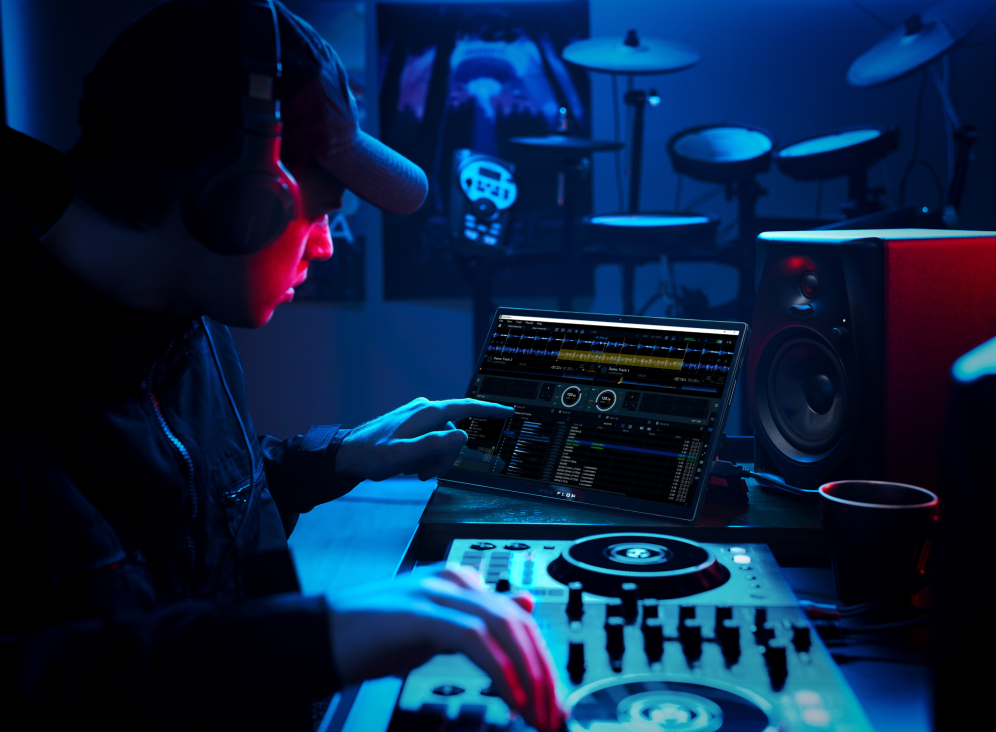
{"x":615,"y":408}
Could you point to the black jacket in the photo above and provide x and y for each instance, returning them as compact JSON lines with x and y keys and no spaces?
{"x":145,"y":567}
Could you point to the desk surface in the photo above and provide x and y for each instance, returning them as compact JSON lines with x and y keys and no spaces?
{"x":766,"y":509}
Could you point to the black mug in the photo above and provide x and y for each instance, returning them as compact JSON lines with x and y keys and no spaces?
{"x":879,"y":535}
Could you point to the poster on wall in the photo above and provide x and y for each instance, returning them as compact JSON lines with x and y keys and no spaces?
{"x":343,"y":277}
{"x":456,"y":76}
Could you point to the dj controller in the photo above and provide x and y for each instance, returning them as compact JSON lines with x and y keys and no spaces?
{"x":649,"y":633}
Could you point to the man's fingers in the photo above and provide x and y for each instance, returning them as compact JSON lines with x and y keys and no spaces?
{"x":463,"y":576}
{"x":425,"y":415}
{"x":555,"y":711}
{"x":476,"y":642}
{"x":416,"y":449}
{"x":505,"y":622}
{"x":525,"y":600}
{"x":543,"y":687}
{"x":457,"y":410}
{"x":437,"y":465}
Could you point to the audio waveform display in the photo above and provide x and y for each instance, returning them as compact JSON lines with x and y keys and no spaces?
{"x":670,"y":354}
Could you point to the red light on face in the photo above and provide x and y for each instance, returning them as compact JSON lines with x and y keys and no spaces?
{"x":274,"y":272}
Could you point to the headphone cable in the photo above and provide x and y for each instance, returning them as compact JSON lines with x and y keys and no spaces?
{"x":245,"y":436}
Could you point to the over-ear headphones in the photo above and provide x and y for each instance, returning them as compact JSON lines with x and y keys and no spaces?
{"x":241,"y":206}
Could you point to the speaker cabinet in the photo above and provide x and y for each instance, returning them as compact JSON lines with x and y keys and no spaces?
{"x":853,"y":337}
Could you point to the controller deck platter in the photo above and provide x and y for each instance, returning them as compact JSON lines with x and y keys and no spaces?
{"x":672,"y":636}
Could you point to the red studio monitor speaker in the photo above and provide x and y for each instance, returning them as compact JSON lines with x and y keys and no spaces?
{"x":853,"y":338}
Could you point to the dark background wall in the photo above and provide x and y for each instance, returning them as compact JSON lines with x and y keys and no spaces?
{"x":779,"y":64}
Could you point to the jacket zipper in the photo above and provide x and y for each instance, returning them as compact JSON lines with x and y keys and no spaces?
{"x":189,"y":464}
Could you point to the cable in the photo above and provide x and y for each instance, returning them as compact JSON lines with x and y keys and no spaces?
{"x":698,"y":200}
{"x":826,"y":611}
{"x":838,"y":635}
{"x":726,"y":469}
{"x":948,"y":124}
{"x":933,"y":174}
{"x":915,"y":159}
{"x":916,"y":138}
{"x":842,"y":658}
{"x":886,"y":626}
{"x":653,"y":298}
{"x":871,"y":14}
{"x":726,"y":229}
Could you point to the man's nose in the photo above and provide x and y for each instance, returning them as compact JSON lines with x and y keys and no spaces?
{"x":319,"y":245}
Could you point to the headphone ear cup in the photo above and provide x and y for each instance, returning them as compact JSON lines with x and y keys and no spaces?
{"x":245,"y":206}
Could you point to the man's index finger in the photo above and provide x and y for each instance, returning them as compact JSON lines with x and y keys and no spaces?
{"x":457,"y":410}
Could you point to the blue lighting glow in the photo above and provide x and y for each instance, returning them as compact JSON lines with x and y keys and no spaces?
{"x":723,"y":145}
{"x":828,"y":143}
{"x":648,"y":220}
{"x":979,"y":362}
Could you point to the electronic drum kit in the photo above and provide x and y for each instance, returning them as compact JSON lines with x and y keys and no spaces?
{"x":733,"y":155}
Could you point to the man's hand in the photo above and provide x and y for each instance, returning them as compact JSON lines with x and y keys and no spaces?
{"x":391,"y":627}
{"x":419,"y":437}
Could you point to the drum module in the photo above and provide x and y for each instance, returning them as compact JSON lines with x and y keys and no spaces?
{"x":649,"y":633}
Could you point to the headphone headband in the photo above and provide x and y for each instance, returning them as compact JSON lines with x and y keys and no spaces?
{"x":245,"y":205}
{"x":260,"y":55}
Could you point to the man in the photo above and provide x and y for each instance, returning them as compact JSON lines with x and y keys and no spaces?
{"x":144,"y":520}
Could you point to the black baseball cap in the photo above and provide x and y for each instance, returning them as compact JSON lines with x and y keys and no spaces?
{"x":168,"y":89}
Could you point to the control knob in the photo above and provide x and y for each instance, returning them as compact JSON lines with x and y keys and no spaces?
{"x":776,"y":659}
{"x":575,"y":662}
{"x":650,"y":610}
{"x":763,"y":634}
{"x":575,"y":601}
{"x":801,"y":638}
{"x":728,"y":636}
{"x":691,"y":641}
{"x":614,"y":642}
{"x":653,"y":639}
{"x":630,"y":601}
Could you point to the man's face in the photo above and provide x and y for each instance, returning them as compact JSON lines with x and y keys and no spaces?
{"x":272,"y":274}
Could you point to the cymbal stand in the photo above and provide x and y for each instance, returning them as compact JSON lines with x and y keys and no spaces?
{"x":638,"y":99}
{"x":571,"y":169}
{"x":747,"y":191}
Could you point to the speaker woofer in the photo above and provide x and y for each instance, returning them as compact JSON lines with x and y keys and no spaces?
{"x":807,"y":395}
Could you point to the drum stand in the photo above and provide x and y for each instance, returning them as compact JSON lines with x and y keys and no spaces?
{"x":965,"y":137}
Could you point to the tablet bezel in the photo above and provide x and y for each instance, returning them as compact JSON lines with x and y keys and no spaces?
{"x":594,"y":498}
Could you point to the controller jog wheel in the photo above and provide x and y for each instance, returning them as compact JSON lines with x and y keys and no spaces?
{"x":660,"y":567}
